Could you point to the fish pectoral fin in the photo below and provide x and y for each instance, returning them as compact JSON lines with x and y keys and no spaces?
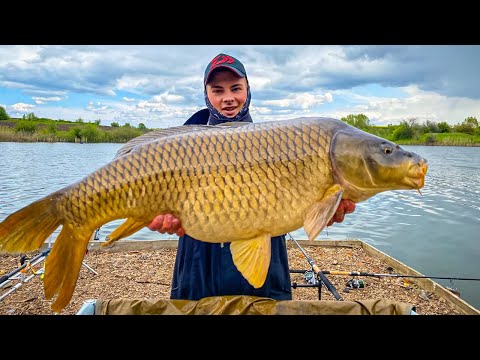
{"x":129,"y":227}
{"x":319,"y":214}
{"x":252,"y":258}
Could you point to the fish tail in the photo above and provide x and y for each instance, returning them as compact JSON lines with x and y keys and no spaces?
{"x":63,"y":264}
{"x":28,"y":228}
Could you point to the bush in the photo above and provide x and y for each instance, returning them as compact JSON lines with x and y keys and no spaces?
{"x":74,"y":133}
{"x":443,"y":127}
{"x":403,"y":132}
{"x":52,"y":128}
{"x":430,"y":140}
{"x":465,"y":128}
{"x":123,"y":134}
{"x":90,"y":133}
{"x":25,"y":126}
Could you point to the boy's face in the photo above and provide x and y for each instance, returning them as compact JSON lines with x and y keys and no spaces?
{"x":227,"y":92}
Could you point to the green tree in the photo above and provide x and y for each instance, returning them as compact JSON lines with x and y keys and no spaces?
{"x":360,"y":121}
{"x":471,"y":120}
{"x":403,"y":131}
{"x":30,"y":116}
{"x":114,"y":124}
{"x":464,"y":127}
{"x":3,"y":114}
{"x":127,"y":125}
{"x":443,"y":127}
{"x":142,"y":126}
{"x":79,"y":120}
{"x":98,"y":121}
{"x":431,"y":127}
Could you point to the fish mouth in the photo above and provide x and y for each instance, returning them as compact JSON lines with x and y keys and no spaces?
{"x":416,"y":174}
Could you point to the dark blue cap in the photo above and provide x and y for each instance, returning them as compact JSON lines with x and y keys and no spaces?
{"x":226,"y":61}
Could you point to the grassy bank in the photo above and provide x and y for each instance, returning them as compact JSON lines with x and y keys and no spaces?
{"x":449,"y":139}
{"x":52,"y":131}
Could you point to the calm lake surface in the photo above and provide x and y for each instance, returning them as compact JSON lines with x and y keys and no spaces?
{"x":436,"y":233}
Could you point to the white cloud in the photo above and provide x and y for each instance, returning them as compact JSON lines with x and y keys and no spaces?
{"x":97,"y":108}
{"x":168,"y":98}
{"x":303,"y":101}
{"x":44,"y":100}
{"x":22,"y":107}
{"x":18,"y":54}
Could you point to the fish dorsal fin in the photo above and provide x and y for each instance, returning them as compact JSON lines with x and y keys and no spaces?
{"x":252,"y":258}
{"x":159,"y":134}
{"x":319,"y":214}
{"x":175,"y":130}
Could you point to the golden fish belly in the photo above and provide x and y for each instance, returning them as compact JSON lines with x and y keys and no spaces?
{"x":229,"y":211}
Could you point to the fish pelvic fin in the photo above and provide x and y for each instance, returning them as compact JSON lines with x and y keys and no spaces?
{"x":129,"y":227}
{"x":63,"y":264}
{"x":28,"y":228}
{"x":319,"y":214}
{"x":252,"y":258}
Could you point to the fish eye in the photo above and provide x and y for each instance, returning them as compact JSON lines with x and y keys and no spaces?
{"x":387,"y":150}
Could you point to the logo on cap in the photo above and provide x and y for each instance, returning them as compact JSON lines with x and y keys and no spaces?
{"x":224,"y":59}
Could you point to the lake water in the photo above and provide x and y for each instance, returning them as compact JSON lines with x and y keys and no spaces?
{"x":436,"y":233}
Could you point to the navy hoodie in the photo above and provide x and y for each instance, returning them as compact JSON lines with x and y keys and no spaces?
{"x":206,"y":269}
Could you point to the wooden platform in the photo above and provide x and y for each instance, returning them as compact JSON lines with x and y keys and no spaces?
{"x":424,"y":283}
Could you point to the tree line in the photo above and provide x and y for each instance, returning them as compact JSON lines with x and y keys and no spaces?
{"x":409,"y":131}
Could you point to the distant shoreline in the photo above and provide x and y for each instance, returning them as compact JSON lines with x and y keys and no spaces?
{"x":123,"y":142}
{"x":83,"y":133}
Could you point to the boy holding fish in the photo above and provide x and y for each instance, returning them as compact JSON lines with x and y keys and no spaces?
{"x":205,"y":269}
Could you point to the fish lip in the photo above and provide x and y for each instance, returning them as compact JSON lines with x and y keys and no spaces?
{"x":415,"y":182}
{"x":416,"y":174}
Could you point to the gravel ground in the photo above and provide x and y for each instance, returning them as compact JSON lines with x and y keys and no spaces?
{"x":147,"y":274}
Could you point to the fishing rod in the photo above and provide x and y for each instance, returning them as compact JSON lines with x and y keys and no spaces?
{"x":17,"y":285}
{"x":378,"y":275}
{"x":320,"y":274}
{"x":27,"y":263}
{"x":5,"y":278}
{"x":361,"y":273}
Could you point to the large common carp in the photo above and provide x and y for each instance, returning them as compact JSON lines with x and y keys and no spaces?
{"x":243,"y":182}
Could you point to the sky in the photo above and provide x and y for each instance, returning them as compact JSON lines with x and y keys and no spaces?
{"x":162,"y":85}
